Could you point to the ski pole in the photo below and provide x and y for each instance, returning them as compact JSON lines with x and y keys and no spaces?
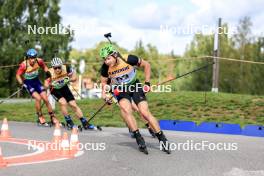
{"x":183,"y":75}
{"x":11,"y":95}
{"x":77,"y":92}
{"x":100,"y":109}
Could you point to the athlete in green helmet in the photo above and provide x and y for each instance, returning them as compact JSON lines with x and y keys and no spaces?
{"x":122,"y":73}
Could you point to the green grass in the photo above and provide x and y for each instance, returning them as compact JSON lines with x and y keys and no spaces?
{"x":222,"y":107}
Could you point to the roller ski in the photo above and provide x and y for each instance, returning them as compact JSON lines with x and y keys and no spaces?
{"x":91,"y":127}
{"x":88,"y":126}
{"x":163,"y":142}
{"x":141,"y":143}
{"x":69,"y":125}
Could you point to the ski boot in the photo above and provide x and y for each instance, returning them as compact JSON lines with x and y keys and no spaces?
{"x":41,"y":120}
{"x":141,"y":142}
{"x":86,"y":125}
{"x":69,"y":124}
{"x":132,"y":135}
{"x":53,"y":119}
{"x":151,"y":132}
{"x":163,"y":142}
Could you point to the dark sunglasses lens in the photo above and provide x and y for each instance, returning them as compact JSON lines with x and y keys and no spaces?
{"x":57,"y":68}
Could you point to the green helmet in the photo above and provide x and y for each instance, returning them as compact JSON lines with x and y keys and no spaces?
{"x":107,"y":50}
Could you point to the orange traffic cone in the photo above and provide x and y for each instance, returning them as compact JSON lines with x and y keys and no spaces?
{"x":2,"y":161}
{"x":65,"y":146}
{"x":56,"y":141}
{"x":74,"y":141}
{"x":57,"y":134}
{"x":4,"y":130}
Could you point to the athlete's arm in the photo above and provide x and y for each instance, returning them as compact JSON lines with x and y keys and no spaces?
{"x":47,"y":80}
{"x":43,"y":65}
{"x":135,"y":61}
{"x":72,"y":75}
{"x":20,"y":71}
{"x":19,"y":79}
{"x":147,"y":69}
{"x":104,"y":86}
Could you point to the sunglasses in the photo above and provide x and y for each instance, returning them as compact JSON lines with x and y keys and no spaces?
{"x":55,"y":68}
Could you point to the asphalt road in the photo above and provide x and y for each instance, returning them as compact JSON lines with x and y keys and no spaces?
{"x":121,"y":156}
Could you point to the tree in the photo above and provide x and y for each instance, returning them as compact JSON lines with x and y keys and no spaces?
{"x":242,"y":41}
{"x":15,"y":18}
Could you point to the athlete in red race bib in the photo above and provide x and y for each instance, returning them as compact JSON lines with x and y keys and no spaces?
{"x":28,"y":77}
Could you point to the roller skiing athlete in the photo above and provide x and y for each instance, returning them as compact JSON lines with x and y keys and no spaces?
{"x":57,"y":79}
{"x":127,"y":87}
{"x":27,"y":76}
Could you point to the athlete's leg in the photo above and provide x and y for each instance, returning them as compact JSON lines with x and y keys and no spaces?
{"x":63,"y":106}
{"x":44,"y":97}
{"x":76,"y":108}
{"x":37,"y":98}
{"x":144,"y":110}
{"x":126,"y":112}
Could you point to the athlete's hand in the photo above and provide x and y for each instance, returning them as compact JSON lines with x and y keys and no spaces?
{"x":66,"y":80}
{"x":55,"y":84}
{"x":23,"y":86}
{"x":108,"y":98}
